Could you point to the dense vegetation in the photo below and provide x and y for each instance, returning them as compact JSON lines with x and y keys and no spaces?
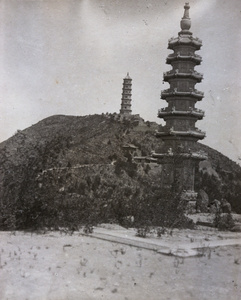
{"x":67,"y":171}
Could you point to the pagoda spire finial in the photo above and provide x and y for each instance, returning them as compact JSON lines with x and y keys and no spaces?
{"x":127,"y":76}
{"x":186,"y":21}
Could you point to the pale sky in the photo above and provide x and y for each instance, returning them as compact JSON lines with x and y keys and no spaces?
{"x":70,"y":57}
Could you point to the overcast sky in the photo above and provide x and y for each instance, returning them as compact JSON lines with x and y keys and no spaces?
{"x":70,"y":57}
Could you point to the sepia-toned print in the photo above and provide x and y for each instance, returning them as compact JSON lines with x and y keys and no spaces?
{"x":120,"y":172}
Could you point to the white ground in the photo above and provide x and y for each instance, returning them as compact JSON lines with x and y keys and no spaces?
{"x":61,"y":267}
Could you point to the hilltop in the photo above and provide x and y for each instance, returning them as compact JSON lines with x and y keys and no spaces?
{"x":74,"y":164}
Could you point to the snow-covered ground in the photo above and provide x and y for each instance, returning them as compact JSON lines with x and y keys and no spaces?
{"x":60,"y":267}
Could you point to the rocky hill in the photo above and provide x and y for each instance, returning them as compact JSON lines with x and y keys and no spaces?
{"x":64,"y":167}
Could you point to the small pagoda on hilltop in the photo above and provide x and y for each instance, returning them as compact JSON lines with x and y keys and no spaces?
{"x":126,"y":96}
{"x":180,"y":135}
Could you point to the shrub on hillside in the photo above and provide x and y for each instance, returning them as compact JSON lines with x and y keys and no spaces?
{"x":129,"y":167}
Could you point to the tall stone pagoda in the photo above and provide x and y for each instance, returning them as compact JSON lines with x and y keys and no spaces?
{"x":126,"y":96}
{"x":180,"y":135}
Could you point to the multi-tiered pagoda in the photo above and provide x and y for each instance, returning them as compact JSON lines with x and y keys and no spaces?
{"x":126,"y":96}
{"x":180,"y":133}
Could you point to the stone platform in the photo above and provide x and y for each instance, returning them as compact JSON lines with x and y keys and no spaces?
{"x":182,"y":243}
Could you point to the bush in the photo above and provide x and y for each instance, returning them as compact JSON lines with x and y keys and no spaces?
{"x":223,"y":221}
{"x":88,"y":229}
{"x":143,"y":231}
{"x":129,"y":167}
{"x":164,"y":209}
{"x":160,"y":231}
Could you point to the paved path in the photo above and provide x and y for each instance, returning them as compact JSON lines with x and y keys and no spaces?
{"x":75,"y":167}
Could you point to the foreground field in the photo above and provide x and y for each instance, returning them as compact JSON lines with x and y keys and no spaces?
{"x":60,"y":267}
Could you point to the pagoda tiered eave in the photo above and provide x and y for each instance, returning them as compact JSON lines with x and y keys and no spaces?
{"x":125,"y":111}
{"x":127,"y":94}
{"x":173,"y":74}
{"x":184,"y":39}
{"x":185,"y":133}
{"x":165,"y":112}
{"x":175,"y":93}
{"x":176,"y":56}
